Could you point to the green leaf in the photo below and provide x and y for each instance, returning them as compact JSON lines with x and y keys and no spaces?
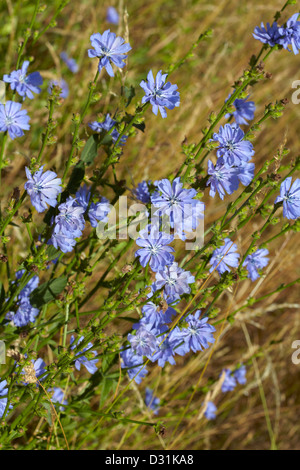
{"x":90,"y":150}
{"x":47,"y":292}
{"x":129,"y":93}
{"x":107,"y":387}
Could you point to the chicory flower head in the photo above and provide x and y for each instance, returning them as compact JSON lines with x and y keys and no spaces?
{"x":210,"y":410}
{"x":256,"y":261}
{"x":233,"y":149}
{"x":141,"y":192}
{"x":154,"y":248}
{"x":290,"y":34}
{"x":89,"y":364}
{"x":229,"y":382}
{"x":13,"y":119}
{"x":267,"y":35}
{"x":223,"y":179}
{"x":134,"y":365}
{"x":161,"y":95}
{"x":62,"y":84}
{"x":197,"y":334}
{"x":98,"y":211}
{"x":43,"y":188}
{"x":3,"y":398}
{"x":244,"y":110}
{"x":109,"y":48}
{"x":290,"y":197}
{"x":144,"y":342}
{"x":175,"y":281}
{"x":224,"y":257}
{"x":106,"y":125}
{"x":151,"y":401}
{"x":25,"y":85}
{"x":70,"y":220}
{"x":179,"y":204}
{"x":112,"y":16}
{"x":70,"y":63}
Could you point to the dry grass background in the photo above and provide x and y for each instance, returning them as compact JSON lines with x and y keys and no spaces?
{"x":161,"y":32}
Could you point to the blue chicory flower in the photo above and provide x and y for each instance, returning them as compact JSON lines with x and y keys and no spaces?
{"x":3,"y":398}
{"x":161,"y":95}
{"x":290,"y":34}
{"x":43,"y":188}
{"x":134,"y":365}
{"x":62,"y":84}
{"x":151,"y":401}
{"x":223,"y":179}
{"x":197,"y":334}
{"x":144,"y":342}
{"x":25,"y":85}
{"x":256,"y":261}
{"x":141,"y":192}
{"x":233,"y":149}
{"x":97,"y":211}
{"x":58,"y":397}
{"x":240,"y":375}
{"x":13,"y":119}
{"x":70,"y":63}
{"x":244,"y":110}
{"x":210,"y":410}
{"x":112,"y":16}
{"x":89,"y":364}
{"x":179,"y":204}
{"x":227,"y":255}
{"x":229,"y":382}
{"x":109,"y":48}
{"x":154,"y":248}
{"x":175,"y":281}
{"x":106,"y":125}
{"x":290,"y":197}
{"x":267,"y":35}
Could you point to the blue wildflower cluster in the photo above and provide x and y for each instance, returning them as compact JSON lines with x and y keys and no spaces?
{"x":286,"y":36}
{"x":14,"y":119}
{"x":153,"y":339}
{"x":232,"y":378}
{"x":69,"y":223}
{"x":234,"y":153}
{"x":24,"y":313}
{"x":107,"y":125}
